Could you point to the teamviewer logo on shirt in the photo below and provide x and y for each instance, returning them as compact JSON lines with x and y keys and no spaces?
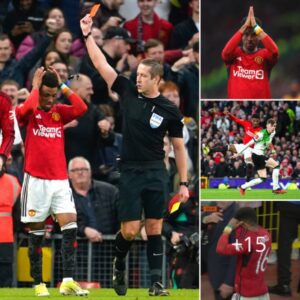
{"x":248,"y":74}
{"x":48,"y":132}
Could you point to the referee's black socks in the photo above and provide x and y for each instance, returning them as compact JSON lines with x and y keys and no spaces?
{"x":122,"y":247}
{"x":155,"y":256}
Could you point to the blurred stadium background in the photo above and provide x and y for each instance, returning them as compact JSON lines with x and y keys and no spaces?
{"x":221,"y":19}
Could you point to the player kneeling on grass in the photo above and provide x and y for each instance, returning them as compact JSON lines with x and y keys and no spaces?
{"x":46,"y":189}
{"x":262,"y":141}
{"x":252,"y":248}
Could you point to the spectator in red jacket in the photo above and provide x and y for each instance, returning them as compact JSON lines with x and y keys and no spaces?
{"x":147,"y":25}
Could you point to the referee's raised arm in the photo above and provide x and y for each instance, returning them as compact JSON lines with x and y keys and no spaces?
{"x":95,"y":53}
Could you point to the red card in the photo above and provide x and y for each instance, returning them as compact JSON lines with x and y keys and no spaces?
{"x":94,"y":10}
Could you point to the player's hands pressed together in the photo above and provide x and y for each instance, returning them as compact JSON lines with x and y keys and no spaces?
{"x":37,"y":78}
{"x":252,"y":18}
{"x":247,"y":22}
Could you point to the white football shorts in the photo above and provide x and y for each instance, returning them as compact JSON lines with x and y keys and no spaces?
{"x":247,"y":153}
{"x":41,"y":198}
{"x":239,"y":297}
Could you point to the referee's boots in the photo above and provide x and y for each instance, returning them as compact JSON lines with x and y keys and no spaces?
{"x":157,"y":289}
{"x":119,"y":280}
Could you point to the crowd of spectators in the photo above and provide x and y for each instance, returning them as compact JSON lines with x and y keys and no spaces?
{"x":45,"y":33}
{"x":216,"y":129}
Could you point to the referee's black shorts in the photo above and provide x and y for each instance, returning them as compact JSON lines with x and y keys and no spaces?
{"x":259,"y":161}
{"x":142,"y":190}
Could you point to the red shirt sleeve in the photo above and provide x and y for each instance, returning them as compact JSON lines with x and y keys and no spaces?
{"x":26,"y":109}
{"x":73,"y":111}
{"x":225,"y":248}
{"x":228,"y":52}
{"x":238,"y":121}
{"x":272,"y":49}
{"x":6,"y":125}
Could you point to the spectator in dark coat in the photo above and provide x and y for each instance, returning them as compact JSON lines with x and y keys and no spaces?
{"x":26,"y":18}
{"x":10,"y":68}
{"x":89,"y":133}
{"x":188,"y":82}
{"x":186,"y":33}
{"x":95,"y":201}
{"x":221,"y":168}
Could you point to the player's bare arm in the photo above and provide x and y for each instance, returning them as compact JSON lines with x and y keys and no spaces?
{"x":95,"y":54}
{"x":181,"y":163}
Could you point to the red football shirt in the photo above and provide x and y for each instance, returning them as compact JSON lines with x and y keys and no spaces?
{"x":249,"y":129}
{"x":6,"y":124}
{"x":252,"y":249}
{"x":44,"y":142}
{"x":249,"y":73}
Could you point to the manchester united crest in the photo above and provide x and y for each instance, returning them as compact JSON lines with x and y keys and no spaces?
{"x":31,"y":212}
{"x":259,"y":60}
{"x":56,"y":116}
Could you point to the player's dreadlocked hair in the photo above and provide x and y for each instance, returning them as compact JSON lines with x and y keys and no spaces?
{"x":255,"y":116}
{"x":247,"y":215}
{"x":50,"y":79}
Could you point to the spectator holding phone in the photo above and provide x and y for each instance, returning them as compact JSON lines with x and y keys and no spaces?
{"x":23,"y":20}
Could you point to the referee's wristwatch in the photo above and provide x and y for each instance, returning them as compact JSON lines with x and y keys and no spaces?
{"x":185,"y":183}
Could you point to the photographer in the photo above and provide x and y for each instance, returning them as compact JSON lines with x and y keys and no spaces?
{"x":181,"y":229}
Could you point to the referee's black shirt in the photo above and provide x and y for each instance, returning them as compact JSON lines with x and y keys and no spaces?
{"x":145,"y":123}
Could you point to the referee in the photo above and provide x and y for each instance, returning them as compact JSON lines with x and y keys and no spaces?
{"x":147,"y":116}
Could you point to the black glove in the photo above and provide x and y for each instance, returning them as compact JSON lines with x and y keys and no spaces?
{"x":3,"y":168}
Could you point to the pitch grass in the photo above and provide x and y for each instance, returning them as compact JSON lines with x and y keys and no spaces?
{"x":254,"y":194}
{"x":99,"y":294}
